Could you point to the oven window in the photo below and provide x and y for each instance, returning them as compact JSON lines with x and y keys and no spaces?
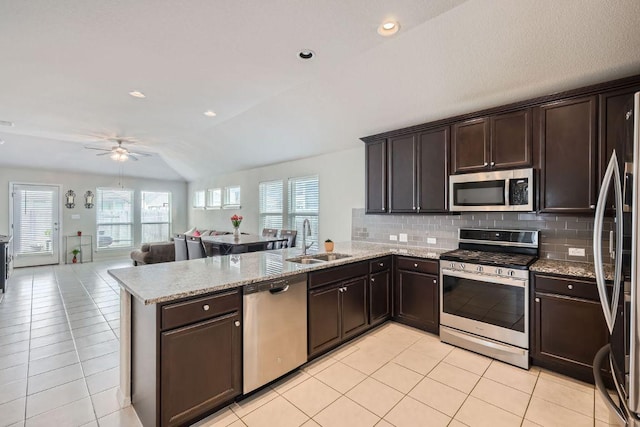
{"x":499,"y":305}
{"x":484,"y":193}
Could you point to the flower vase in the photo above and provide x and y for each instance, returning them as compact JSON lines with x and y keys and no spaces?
{"x":236,"y":233}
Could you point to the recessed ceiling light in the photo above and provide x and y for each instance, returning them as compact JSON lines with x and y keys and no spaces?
{"x":210,"y":113}
{"x":306,"y":54}
{"x":137,"y":94}
{"x":6,"y":123}
{"x":388,"y":28}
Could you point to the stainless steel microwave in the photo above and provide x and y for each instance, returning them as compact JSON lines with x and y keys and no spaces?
{"x":510,"y":190}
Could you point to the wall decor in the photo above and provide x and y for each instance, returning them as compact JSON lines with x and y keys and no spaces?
{"x":70,"y":199}
{"x":88,"y":199}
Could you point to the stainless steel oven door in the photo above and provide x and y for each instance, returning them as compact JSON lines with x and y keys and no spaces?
{"x":488,"y":306}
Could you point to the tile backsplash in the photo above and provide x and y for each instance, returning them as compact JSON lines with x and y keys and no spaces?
{"x":557,"y":233}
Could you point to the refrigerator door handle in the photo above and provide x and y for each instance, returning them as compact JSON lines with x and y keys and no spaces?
{"x":609,"y":308}
{"x":602,"y":389}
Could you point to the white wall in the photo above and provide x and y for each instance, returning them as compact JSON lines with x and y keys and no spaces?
{"x":80,"y":183}
{"x":341,"y":180}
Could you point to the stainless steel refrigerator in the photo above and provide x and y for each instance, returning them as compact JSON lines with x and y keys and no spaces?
{"x":620,"y":300}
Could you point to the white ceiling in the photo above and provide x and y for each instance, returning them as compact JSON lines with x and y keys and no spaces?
{"x":67,"y":66}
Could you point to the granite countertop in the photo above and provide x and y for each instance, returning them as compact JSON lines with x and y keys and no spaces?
{"x":169,"y":281}
{"x":570,"y":268}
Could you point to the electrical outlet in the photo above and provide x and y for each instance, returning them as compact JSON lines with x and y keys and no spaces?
{"x":431,"y":240}
{"x":404,"y":237}
{"x":393,"y":237}
{"x":576,"y":251}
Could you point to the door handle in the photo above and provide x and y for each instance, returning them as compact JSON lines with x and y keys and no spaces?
{"x":281,"y":290}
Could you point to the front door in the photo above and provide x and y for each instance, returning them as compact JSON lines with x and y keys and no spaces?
{"x":35,"y":224}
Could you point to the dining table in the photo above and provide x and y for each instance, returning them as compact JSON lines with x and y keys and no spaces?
{"x":229,"y":244}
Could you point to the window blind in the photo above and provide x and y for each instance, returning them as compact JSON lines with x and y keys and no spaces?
{"x":114,"y":218}
{"x":232,"y":197}
{"x":35,"y":222}
{"x":271,"y":205}
{"x":155,"y":216}
{"x":214,"y":198}
{"x":304,"y":204}
{"x":198,"y":199}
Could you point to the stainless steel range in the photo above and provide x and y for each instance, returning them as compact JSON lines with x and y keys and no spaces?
{"x":484,"y":293}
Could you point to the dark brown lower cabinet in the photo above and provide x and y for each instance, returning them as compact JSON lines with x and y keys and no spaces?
{"x":186,"y":359}
{"x":337,"y":312}
{"x":567,"y":326}
{"x":380,"y":297}
{"x":200,"y":368}
{"x":416,"y":300}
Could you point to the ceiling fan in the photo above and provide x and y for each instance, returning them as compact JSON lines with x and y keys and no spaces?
{"x":119,"y":153}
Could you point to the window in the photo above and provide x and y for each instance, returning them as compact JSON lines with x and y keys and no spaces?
{"x":114,"y":218}
{"x":214,"y":198}
{"x":270,"y":205}
{"x":231,"y":197}
{"x":198,"y":199}
{"x":303,"y":204}
{"x":155,"y":216}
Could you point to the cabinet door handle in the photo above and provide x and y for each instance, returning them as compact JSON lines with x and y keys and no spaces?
{"x":237,"y":323}
{"x":345,"y":289}
{"x":205,"y":307}
{"x":485,"y":164}
{"x":570,"y":286}
{"x":592,"y":206}
{"x":373,"y":280}
{"x":381,"y":264}
{"x":537,"y":299}
{"x":493,"y":163}
{"x":435,"y":281}
{"x":415,"y":265}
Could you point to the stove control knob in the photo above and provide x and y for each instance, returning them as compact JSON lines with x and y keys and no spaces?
{"x":462,"y":266}
{"x":498,"y":271}
{"x":511,"y":273}
{"x":479,"y":268}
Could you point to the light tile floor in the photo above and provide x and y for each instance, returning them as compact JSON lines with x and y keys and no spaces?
{"x":59,"y":350}
{"x":59,"y":329}
{"x":400,"y":376}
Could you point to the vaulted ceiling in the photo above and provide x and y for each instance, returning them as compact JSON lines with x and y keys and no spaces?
{"x":67,"y":67}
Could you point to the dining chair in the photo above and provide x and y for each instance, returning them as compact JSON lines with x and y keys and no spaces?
{"x":195,"y":248}
{"x":180,"y":242}
{"x":290,"y":236}
{"x":269,"y":232}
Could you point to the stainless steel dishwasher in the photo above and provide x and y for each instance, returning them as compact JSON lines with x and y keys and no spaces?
{"x":275,"y":329}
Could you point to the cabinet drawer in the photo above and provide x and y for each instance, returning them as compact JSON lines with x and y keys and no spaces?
{"x":417,"y":264}
{"x":576,"y":288}
{"x":379,"y":264}
{"x":343,"y":272}
{"x":186,"y":312}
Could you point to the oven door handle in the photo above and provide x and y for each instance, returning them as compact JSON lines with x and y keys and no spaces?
{"x":520,"y":283}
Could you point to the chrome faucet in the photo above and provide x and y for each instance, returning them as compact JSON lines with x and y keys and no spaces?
{"x":306,"y":231}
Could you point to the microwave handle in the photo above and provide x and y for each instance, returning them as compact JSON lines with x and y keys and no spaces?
{"x":506,"y":192}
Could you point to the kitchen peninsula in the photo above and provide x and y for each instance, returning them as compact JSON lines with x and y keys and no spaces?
{"x":159,"y":302}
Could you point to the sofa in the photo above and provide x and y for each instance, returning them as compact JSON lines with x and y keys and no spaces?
{"x":157,"y":252}
{"x":153,"y":253}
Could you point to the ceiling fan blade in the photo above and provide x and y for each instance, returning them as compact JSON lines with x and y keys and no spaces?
{"x":140,"y":154}
{"x":104,"y":154}
{"x":96,"y":148}
{"x":134,"y":158}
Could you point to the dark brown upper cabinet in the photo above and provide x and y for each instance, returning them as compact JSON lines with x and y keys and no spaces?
{"x":497,"y":142}
{"x":615,"y":130}
{"x":418,"y":172}
{"x":376,"y":177}
{"x":568,"y":153}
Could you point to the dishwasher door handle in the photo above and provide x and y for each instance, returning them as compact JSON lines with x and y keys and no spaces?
{"x":281,"y":290}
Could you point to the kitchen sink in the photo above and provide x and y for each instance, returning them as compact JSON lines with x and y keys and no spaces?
{"x":317,"y":259}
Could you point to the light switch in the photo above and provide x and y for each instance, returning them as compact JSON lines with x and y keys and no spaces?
{"x":403,"y":237}
{"x":75,"y":216}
